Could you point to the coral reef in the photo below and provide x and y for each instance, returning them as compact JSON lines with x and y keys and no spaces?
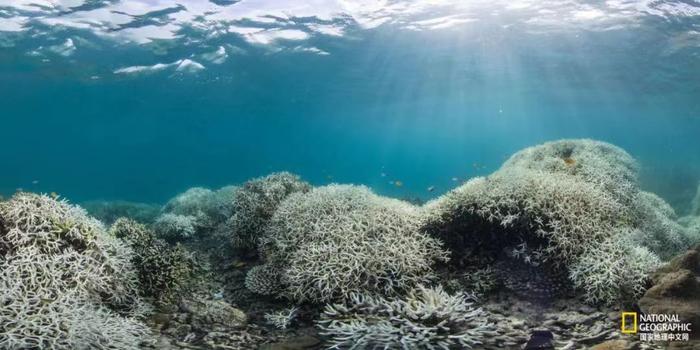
{"x":607,"y":166}
{"x":109,"y":211}
{"x":617,"y":269}
{"x":176,"y":227}
{"x":196,"y":213}
{"x":657,"y":226}
{"x":341,"y":239}
{"x":191,"y":202}
{"x":568,"y":201}
{"x":164,"y":271}
{"x":282,"y":319}
{"x":256,"y":202}
{"x":426,"y":318}
{"x":264,"y":280}
{"x":64,"y":283}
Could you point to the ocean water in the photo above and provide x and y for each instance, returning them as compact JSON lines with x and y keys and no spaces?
{"x":139,"y":100}
{"x":108,"y":102}
{"x":422,"y":93}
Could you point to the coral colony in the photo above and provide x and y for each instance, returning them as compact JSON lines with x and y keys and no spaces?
{"x":279,"y":261}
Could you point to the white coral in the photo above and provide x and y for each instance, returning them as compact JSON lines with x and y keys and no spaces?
{"x":571,"y":199}
{"x":426,"y":318}
{"x":282,"y":319}
{"x":615,"y":270}
{"x":64,"y":283}
{"x":255,"y":203}
{"x":339,"y":239}
{"x":175,"y":226}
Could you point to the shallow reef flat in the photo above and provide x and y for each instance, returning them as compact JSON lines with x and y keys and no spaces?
{"x":544,"y":253}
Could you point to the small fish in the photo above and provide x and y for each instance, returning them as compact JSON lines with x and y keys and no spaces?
{"x":455,"y":179}
{"x":431,"y":188}
{"x":19,"y":189}
{"x":329,"y":177}
{"x":391,"y":183}
{"x":35,"y":182}
{"x":398,"y":183}
{"x":53,"y":195}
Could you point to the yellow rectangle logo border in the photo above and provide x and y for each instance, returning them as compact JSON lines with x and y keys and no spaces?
{"x":623,"y":325}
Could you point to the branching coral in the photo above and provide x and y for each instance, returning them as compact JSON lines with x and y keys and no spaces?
{"x":176,"y":227}
{"x":164,"y":271}
{"x":616,"y":269}
{"x":196,"y":213}
{"x":264,"y":280}
{"x":563,"y":210}
{"x":282,"y":319}
{"x":426,"y":318}
{"x":657,"y":226}
{"x":340,"y":239}
{"x":256,"y":202}
{"x":607,"y":166}
{"x":190,"y":202}
{"x":59,"y":270}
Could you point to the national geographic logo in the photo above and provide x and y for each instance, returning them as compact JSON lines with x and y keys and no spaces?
{"x":655,"y":327}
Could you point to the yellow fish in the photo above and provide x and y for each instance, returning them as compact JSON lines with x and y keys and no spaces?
{"x":398,"y":183}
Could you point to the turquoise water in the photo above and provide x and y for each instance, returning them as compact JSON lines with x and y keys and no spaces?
{"x":140,"y":100}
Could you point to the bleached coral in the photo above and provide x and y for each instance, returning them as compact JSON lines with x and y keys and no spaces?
{"x":282,"y":319}
{"x":255,"y":203}
{"x":617,"y":269}
{"x":176,"y":227}
{"x":185,"y":215}
{"x":657,"y":226}
{"x":520,"y":205}
{"x":602,"y":164}
{"x":164,"y":271}
{"x":264,"y":280}
{"x":565,"y":199}
{"x":340,"y":239}
{"x":190,"y":202}
{"x":59,"y":270}
{"x":426,"y":318}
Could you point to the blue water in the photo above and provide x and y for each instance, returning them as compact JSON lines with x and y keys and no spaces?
{"x":371,"y":105}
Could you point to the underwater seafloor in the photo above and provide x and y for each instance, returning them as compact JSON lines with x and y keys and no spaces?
{"x":544,"y":253}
